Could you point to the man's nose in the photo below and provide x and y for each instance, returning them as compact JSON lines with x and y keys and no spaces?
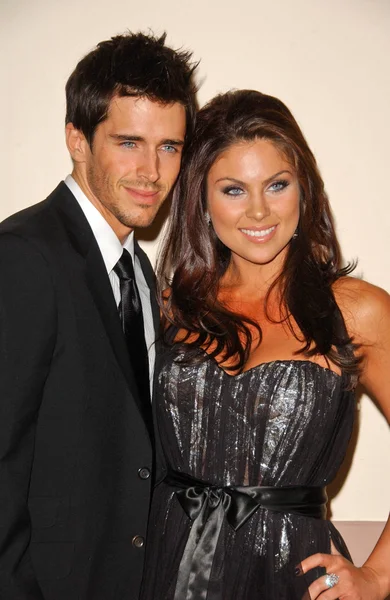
{"x":148,"y":167}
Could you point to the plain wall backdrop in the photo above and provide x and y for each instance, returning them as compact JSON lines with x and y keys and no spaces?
{"x":328,"y":60}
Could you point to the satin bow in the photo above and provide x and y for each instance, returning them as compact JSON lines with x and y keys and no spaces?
{"x":207,"y":505}
{"x":237,"y":506}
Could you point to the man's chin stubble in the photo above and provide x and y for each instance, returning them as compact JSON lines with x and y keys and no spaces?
{"x":140,"y":222}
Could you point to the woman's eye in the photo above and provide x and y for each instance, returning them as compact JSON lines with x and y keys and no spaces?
{"x":232,"y":190}
{"x":278,"y":186}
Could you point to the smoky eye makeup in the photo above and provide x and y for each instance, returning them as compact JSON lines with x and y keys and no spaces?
{"x":279,"y":185}
{"x":232,"y":190}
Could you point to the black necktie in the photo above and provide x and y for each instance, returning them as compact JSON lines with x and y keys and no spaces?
{"x":130,"y":310}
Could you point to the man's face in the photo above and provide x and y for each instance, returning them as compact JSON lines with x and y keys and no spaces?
{"x":134,"y":161}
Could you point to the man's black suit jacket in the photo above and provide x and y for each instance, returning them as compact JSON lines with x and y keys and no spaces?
{"x":75,"y":449}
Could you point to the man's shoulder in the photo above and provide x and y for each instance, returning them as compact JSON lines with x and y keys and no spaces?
{"x":40,"y":222}
{"x":29,"y":219}
{"x":35,"y":228}
{"x":25,"y":220}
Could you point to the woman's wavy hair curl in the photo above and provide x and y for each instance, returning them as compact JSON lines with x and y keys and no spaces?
{"x":197,"y":259}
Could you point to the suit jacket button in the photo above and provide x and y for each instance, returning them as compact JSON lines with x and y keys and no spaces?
{"x":138,"y":541}
{"x":143,"y":473}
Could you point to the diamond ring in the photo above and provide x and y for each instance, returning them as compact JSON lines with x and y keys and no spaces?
{"x":331,"y":579}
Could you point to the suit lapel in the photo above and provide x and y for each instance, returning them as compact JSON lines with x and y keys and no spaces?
{"x":84,"y":242}
{"x":150,"y":279}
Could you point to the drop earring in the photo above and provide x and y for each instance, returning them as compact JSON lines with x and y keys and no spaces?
{"x":207,"y":218}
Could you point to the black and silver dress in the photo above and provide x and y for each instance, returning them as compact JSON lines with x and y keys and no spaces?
{"x":280,"y":424}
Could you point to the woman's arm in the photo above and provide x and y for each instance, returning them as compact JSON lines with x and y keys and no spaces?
{"x":366,"y":310}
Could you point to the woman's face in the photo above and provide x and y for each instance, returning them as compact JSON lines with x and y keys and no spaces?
{"x":253,"y":201}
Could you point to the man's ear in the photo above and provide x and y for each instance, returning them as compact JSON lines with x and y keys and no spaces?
{"x":77,"y":144}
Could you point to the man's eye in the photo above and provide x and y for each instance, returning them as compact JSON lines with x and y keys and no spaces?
{"x":169,"y":148}
{"x":128,"y":144}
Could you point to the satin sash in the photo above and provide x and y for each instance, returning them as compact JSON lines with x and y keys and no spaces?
{"x":207,"y":505}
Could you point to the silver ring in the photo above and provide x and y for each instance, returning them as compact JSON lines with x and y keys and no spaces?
{"x":331,"y":579}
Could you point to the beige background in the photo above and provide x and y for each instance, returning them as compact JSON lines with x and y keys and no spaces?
{"x":327,"y":59}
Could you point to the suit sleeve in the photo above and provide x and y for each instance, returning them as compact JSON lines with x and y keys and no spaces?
{"x":28,"y":323}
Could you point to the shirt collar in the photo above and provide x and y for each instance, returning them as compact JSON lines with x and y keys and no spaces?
{"x":108,"y":243}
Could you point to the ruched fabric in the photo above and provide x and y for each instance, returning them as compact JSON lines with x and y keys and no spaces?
{"x":278,"y":425}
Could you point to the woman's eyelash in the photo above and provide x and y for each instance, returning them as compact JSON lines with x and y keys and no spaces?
{"x":276,"y":186}
{"x":232,"y":190}
{"x":279,"y":185}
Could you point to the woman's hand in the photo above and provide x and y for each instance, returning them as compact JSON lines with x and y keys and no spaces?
{"x":353,"y":583}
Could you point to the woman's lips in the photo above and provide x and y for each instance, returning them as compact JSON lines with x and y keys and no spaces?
{"x":259,"y":235}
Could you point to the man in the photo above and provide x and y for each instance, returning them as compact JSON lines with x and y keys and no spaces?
{"x":77,"y":316}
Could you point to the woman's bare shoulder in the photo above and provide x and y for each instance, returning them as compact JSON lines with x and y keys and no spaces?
{"x":366,"y":311}
{"x":365,"y":308}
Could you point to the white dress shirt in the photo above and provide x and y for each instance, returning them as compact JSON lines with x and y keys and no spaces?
{"x":111,"y":250}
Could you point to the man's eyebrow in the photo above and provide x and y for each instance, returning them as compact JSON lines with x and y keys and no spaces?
{"x":126,"y":137}
{"x":170,"y":142}
{"x":122,"y":137}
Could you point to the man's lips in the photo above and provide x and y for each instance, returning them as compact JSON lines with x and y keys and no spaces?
{"x":145,"y":195}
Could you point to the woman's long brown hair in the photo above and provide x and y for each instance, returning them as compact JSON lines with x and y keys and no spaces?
{"x":197,"y":259}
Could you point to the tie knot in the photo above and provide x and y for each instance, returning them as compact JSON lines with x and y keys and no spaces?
{"x":124,"y":267}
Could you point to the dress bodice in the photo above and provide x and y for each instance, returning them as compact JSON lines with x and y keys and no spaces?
{"x":280,"y":423}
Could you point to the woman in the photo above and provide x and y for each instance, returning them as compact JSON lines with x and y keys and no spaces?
{"x":266,"y":337}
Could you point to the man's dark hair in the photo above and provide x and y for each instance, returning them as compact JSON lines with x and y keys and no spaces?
{"x":132,"y":64}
